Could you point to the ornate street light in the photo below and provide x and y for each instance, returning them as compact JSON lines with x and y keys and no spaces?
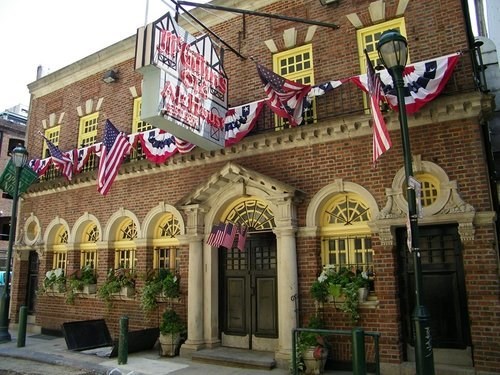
{"x":19,"y":157}
{"x":392,"y":49}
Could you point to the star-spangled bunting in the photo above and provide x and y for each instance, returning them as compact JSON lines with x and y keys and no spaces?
{"x":381,"y":138}
{"x":115,"y":146}
{"x":423,"y":82}
{"x":285,"y":97}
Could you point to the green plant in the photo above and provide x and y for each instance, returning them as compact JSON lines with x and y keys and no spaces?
{"x":78,"y":280}
{"x":171,"y":323}
{"x":115,"y":280}
{"x":159,"y":282}
{"x":307,"y":340}
{"x":337,"y":282}
{"x":170,"y":284}
{"x":55,"y":280}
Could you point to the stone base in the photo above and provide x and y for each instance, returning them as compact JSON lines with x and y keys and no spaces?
{"x":189,"y":347}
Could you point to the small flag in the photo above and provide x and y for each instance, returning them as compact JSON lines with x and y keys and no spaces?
{"x":229,"y":235}
{"x":216,"y":235}
{"x":242,"y":237}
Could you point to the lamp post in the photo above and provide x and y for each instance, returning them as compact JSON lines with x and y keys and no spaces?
{"x":19,"y":157}
{"x":392,"y":49}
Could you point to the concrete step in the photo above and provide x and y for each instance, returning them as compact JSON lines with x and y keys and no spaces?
{"x":236,"y":358}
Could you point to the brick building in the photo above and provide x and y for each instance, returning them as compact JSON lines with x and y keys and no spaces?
{"x":309,"y":194}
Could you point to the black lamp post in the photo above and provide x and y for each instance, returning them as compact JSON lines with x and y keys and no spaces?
{"x":392,"y":49}
{"x":19,"y":156}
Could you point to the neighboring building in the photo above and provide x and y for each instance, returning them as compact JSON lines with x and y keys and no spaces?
{"x":309,"y":194}
{"x":11,"y":135}
{"x":17,"y":114}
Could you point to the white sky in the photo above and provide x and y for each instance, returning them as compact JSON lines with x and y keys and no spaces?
{"x":56,"y":33}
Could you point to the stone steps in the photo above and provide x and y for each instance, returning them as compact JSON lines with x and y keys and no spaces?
{"x":236,"y":358}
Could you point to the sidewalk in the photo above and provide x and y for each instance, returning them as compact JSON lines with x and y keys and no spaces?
{"x":53,"y":350}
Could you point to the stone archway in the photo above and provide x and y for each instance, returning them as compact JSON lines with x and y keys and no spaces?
{"x":204,"y":207}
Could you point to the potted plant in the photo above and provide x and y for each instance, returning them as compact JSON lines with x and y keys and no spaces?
{"x":82,"y":281}
{"x":55,"y":281}
{"x":312,"y":350}
{"x":118,"y":282}
{"x":341,"y":285}
{"x":171,"y":327}
{"x":159,"y":283}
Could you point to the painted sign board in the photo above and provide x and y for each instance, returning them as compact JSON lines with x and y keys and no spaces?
{"x":8,"y":179}
{"x":184,"y":88}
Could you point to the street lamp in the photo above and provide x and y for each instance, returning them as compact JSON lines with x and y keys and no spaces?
{"x":392,"y":50}
{"x":19,"y":157}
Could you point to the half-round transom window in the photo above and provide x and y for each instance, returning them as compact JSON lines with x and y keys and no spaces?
{"x":252,"y":213}
{"x":429,"y":188}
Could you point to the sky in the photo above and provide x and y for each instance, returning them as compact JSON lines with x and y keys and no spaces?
{"x":57,"y":33}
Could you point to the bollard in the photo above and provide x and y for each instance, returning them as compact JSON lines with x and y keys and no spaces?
{"x":358,"y":352}
{"x":123,"y":341}
{"x":21,"y":330}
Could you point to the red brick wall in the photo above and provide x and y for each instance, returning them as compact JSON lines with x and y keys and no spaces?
{"x":455,"y":146}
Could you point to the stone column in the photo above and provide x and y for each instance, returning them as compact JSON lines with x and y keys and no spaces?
{"x":286,"y":228}
{"x":194,"y":237}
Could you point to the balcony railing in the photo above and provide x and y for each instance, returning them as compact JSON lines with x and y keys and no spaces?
{"x":344,"y":100}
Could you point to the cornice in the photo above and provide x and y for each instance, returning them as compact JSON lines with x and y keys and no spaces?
{"x":462,"y":106}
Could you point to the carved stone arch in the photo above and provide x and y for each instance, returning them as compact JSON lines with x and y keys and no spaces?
{"x":232,"y":182}
{"x":81,"y":224}
{"x":151,"y":220}
{"x":313,"y":215}
{"x":32,"y":230}
{"x":52,"y":229}
{"x":449,"y":207}
{"x":447,"y":191}
{"x":116,"y":219}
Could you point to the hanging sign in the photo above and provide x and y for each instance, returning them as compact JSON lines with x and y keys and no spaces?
{"x":8,"y":179}
{"x":185,"y":86}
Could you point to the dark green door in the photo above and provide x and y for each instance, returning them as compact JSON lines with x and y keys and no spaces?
{"x":248,"y":293}
{"x":443,"y":286}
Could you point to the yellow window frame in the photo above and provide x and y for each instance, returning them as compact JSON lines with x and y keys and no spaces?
{"x":351,"y":215}
{"x":52,"y":135}
{"x":137,"y":124}
{"x":87,"y":131}
{"x":165,"y":242}
{"x":297,"y":65}
{"x":368,"y":38}
{"x":125,"y":246}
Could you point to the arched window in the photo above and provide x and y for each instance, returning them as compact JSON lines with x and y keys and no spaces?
{"x":253,"y":213}
{"x":88,"y":247}
{"x":345,"y":235}
{"x":125,"y":245}
{"x":60,"y":249}
{"x":165,"y":243}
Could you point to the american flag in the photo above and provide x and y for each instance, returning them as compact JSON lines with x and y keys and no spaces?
{"x":114,"y":147}
{"x":229,"y":235}
{"x":242,"y":237}
{"x":62,"y":161}
{"x":183,"y":146}
{"x":285,"y":97}
{"x":381,"y":138}
{"x":216,"y":235}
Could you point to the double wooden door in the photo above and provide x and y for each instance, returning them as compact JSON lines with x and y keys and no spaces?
{"x":249,"y":291}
